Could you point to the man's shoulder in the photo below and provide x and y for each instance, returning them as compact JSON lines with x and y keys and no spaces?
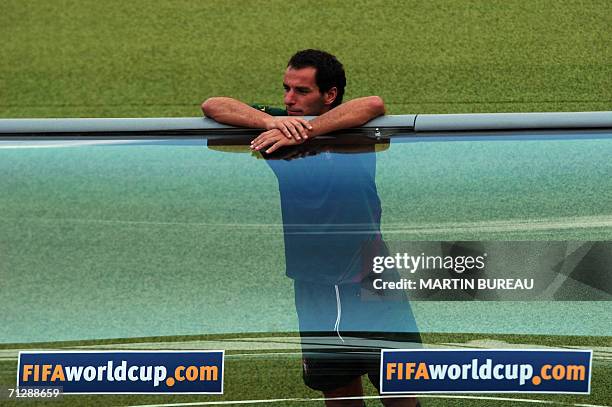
{"x":272,"y":111}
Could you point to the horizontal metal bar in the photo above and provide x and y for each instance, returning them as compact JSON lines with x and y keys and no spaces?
{"x":512,"y":121}
{"x":418,"y":123}
{"x":107,"y":125}
{"x":16,"y":126}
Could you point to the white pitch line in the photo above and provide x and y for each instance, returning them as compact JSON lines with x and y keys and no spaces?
{"x":269,"y":401}
{"x":516,"y":226}
{"x":228,"y":356}
{"x":217,"y":403}
{"x":511,"y":225}
{"x":147,"y":223}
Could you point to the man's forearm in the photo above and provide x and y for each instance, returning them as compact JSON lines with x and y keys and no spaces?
{"x":353,"y":113}
{"x":235,"y":113}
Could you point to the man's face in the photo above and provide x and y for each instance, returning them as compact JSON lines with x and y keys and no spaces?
{"x":302,"y":95}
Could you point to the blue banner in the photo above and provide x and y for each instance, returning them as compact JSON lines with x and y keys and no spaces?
{"x":485,"y":371}
{"x":126,"y":372}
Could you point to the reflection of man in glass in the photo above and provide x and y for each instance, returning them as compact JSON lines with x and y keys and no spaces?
{"x":331,"y":217}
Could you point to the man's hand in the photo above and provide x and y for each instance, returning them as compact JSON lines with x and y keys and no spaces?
{"x":274,"y":138}
{"x":292,"y":127}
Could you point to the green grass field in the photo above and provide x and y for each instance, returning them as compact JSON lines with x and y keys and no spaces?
{"x":276,"y":374}
{"x":153,"y":58}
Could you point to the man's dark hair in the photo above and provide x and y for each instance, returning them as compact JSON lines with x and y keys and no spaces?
{"x":329,"y":71}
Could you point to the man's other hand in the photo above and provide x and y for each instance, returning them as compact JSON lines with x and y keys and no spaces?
{"x":274,"y":138}
{"x":292,"y":127}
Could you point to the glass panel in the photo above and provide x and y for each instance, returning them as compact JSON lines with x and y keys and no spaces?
{"x":131,"y":238}
{"x":522,"y":187}
{"x":513,"y":187}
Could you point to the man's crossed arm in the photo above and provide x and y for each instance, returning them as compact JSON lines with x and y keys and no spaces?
{"x":287,"y":130}
{"x":235,"y":113}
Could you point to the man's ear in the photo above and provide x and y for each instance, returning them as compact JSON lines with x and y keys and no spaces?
{"x":330,"y":96}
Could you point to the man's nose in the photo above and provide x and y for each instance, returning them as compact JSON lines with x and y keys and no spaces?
{"x":289,"y":97}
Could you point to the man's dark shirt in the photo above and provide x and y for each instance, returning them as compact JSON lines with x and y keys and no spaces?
{"x":331,"y":212}
{"x":272,"y":111}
